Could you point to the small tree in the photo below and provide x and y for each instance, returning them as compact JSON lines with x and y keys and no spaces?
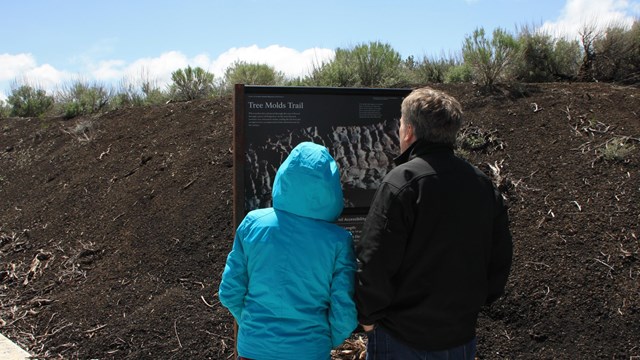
{"x":588,"y":35}
{"x":191,"y":83}
{"x":26,"y":101}
{"x":374,"y":64}
{"x":339,"y":72}
{"x":241,"y":72}
{"x":617,"y":54}
{"x":83,"y":98}
{"x":432,"y":70}
{"x":566,"y":59}
{"x":543,"y":58}
{"x":461,"y":73}
{"x":138,"y":92}
{"x":489,"y":59}
{"x":377,"y":64}
{"x":5,"y":109}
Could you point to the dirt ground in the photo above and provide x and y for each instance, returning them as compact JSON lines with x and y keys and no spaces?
{"x":114,"y":229}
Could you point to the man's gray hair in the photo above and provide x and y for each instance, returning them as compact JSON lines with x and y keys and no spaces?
{"x":434,"y":115}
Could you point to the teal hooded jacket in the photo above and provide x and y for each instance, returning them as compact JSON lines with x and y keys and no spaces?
{"x":289,"y":278}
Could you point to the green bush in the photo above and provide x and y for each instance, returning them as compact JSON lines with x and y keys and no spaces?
{"x":241,"y":72}
{"x":534,"y":61}
{"x":126,"y":96}
{"x":432,"y":70}
{"x":377,"y":65}
{"x":461,"y":73}
{"x":83,"y":98}
{"x":490,"y":60}
{"x":191,"y":83}
{"x":617,"y":54}
{"x":339,"y":72}
{"x":566,"y":59}
{"x":26,"y":101}
{"x":616,"y":149}
{"x":5,"y":109}
{"x":370,"y":65}
{"x":542,"y":58}
{"x":142,"y":91}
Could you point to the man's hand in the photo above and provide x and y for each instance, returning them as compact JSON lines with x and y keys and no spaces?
{"x":367,"y":328}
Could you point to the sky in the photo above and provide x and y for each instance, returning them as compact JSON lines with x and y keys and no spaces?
{"x":50,"y":43}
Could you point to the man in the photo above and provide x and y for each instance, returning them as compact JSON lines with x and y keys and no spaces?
{"x":435,"y":246}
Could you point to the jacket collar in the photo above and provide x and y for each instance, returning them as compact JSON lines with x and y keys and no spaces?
{"x":421,"y":147}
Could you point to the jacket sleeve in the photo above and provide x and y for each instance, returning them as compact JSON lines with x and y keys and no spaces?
{"x":501,"y":252}
{"x":380,"y":252}
{"x":342,"y":310}
{"x":235,"y":279}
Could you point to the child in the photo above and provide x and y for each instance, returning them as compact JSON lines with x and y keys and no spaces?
{"x":289,"y":278}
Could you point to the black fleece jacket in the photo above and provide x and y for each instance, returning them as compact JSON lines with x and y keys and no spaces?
{"x":435,"y":248}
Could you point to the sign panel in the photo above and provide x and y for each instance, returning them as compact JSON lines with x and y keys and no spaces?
{"x":358,"y":126}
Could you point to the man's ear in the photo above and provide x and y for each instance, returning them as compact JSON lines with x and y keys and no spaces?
{"x":409,"y":134}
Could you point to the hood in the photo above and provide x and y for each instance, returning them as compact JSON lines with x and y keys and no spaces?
{"x":308,"y":184}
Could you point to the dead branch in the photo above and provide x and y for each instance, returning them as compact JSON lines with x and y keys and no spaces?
{"x":603,"y":263}
{"x":95,"y":328}
{"x":219,"y":336}
{"x":40,"y":302}
{"x":175,"y":329}
{"x":40,"y":258}
{"x":578,"y":205}
{"x":535,"y":107}
{"x":189,"y":184}
{"x":104,"y":153}
{"x":205,"y":302}
{"x":537,"y":263}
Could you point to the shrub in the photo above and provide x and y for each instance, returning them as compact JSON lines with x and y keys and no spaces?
{"x":83,"y":98}
{"x":432,"y":70}
{"x":566,"y":59}
{"x":489,"y":59}
{"x":534,"y":61}
{"x":371,"y":65}
{"x":339,"y":72}
{"x":27,"y":101}
{"x":542,"y":58}
{"x":5,"y":109}
{"x":241,"y":72}
{"x":458,"y":74}
{"x":377,"y":64}
{"x":191,"y":83}
{"x":617,"y":54}
{"x":616,"y":149}
{"x":142,"y":91}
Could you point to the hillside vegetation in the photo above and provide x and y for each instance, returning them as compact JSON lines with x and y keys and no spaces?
{"x":486,"y":58}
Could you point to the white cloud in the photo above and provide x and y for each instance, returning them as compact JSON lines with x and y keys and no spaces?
{"x":11,"y":66}
{"x":291,"y":62}
{"x":24,"y":69}
{"x":599,"y":13}
{"x":160,"y":68}
{"x":46,"y":77}
{"x":107,"y":71}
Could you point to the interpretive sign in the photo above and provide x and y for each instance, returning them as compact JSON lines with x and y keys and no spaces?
{"x":359,"y":127}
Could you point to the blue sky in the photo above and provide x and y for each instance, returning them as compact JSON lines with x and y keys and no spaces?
{"x":52,"y":42}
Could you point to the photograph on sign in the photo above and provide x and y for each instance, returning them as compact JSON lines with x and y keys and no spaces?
{"x":360,"y":130}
